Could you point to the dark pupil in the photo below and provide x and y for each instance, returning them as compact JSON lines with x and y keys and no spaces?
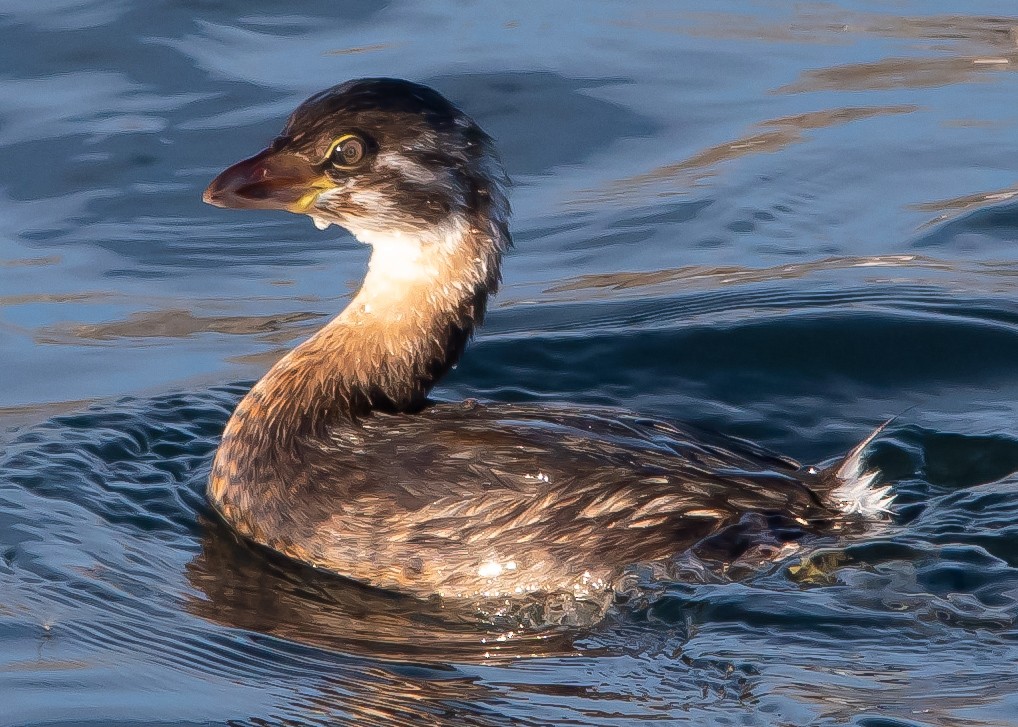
{"x":350,"y":151}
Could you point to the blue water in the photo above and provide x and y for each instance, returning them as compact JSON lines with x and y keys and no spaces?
{"x":787,"y":222}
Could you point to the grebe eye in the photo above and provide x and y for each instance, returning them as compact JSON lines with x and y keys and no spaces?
{"x":348,"y":151}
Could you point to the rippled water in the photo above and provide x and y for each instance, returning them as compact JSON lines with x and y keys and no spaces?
{"x":783,"y":222}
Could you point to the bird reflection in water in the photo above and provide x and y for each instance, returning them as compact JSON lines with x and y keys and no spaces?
{"x":261,"y":591}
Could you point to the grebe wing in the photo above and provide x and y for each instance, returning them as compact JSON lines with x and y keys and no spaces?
{"x":521,"y":446}
{"x":427,"y":502}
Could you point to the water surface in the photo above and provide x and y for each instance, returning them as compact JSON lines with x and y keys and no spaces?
{"x":787,"y":223}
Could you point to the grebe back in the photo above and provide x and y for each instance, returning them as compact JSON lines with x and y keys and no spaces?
{"x":336,"y":457}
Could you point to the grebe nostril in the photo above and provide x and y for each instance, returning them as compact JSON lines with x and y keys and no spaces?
{"x":337,"y":458}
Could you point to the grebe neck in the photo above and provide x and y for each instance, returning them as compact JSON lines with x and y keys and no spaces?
{"x":407,"y":326}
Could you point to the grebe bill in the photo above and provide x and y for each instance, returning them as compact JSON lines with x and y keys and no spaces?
{"x":337,"y":458}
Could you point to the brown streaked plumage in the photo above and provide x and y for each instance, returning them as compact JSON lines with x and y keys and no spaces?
{"x":337,"y":458}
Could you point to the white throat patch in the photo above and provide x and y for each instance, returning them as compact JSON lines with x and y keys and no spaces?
{"x":400,"y":258}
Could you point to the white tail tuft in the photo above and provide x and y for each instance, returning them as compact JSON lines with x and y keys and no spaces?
{"x":854,"y":493}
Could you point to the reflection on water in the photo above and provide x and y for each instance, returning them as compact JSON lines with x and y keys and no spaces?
{"x":781,"y":133}
{"x":969,"y":45}
{"x":720,"y":276}
{"x":786,"y":222}
{"x":242,"y":589}
{"x":948,"y":208}
{"x":807,"y":23}
{"x":900,"y":72}
{"x":174,"y":324}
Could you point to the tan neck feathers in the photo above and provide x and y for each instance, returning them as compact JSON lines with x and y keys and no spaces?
{"x":407,"y":325}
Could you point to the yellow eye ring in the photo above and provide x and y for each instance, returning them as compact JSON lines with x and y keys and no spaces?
{"x":348,"y":151}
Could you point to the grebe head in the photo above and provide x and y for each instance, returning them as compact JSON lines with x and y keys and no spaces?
{"x":384,"y":158}
{"x":407,"y":172}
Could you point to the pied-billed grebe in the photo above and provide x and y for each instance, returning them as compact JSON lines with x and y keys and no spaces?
{"x":337,"y":458}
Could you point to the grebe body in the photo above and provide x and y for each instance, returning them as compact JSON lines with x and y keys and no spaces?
{"x":336,"y":457}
